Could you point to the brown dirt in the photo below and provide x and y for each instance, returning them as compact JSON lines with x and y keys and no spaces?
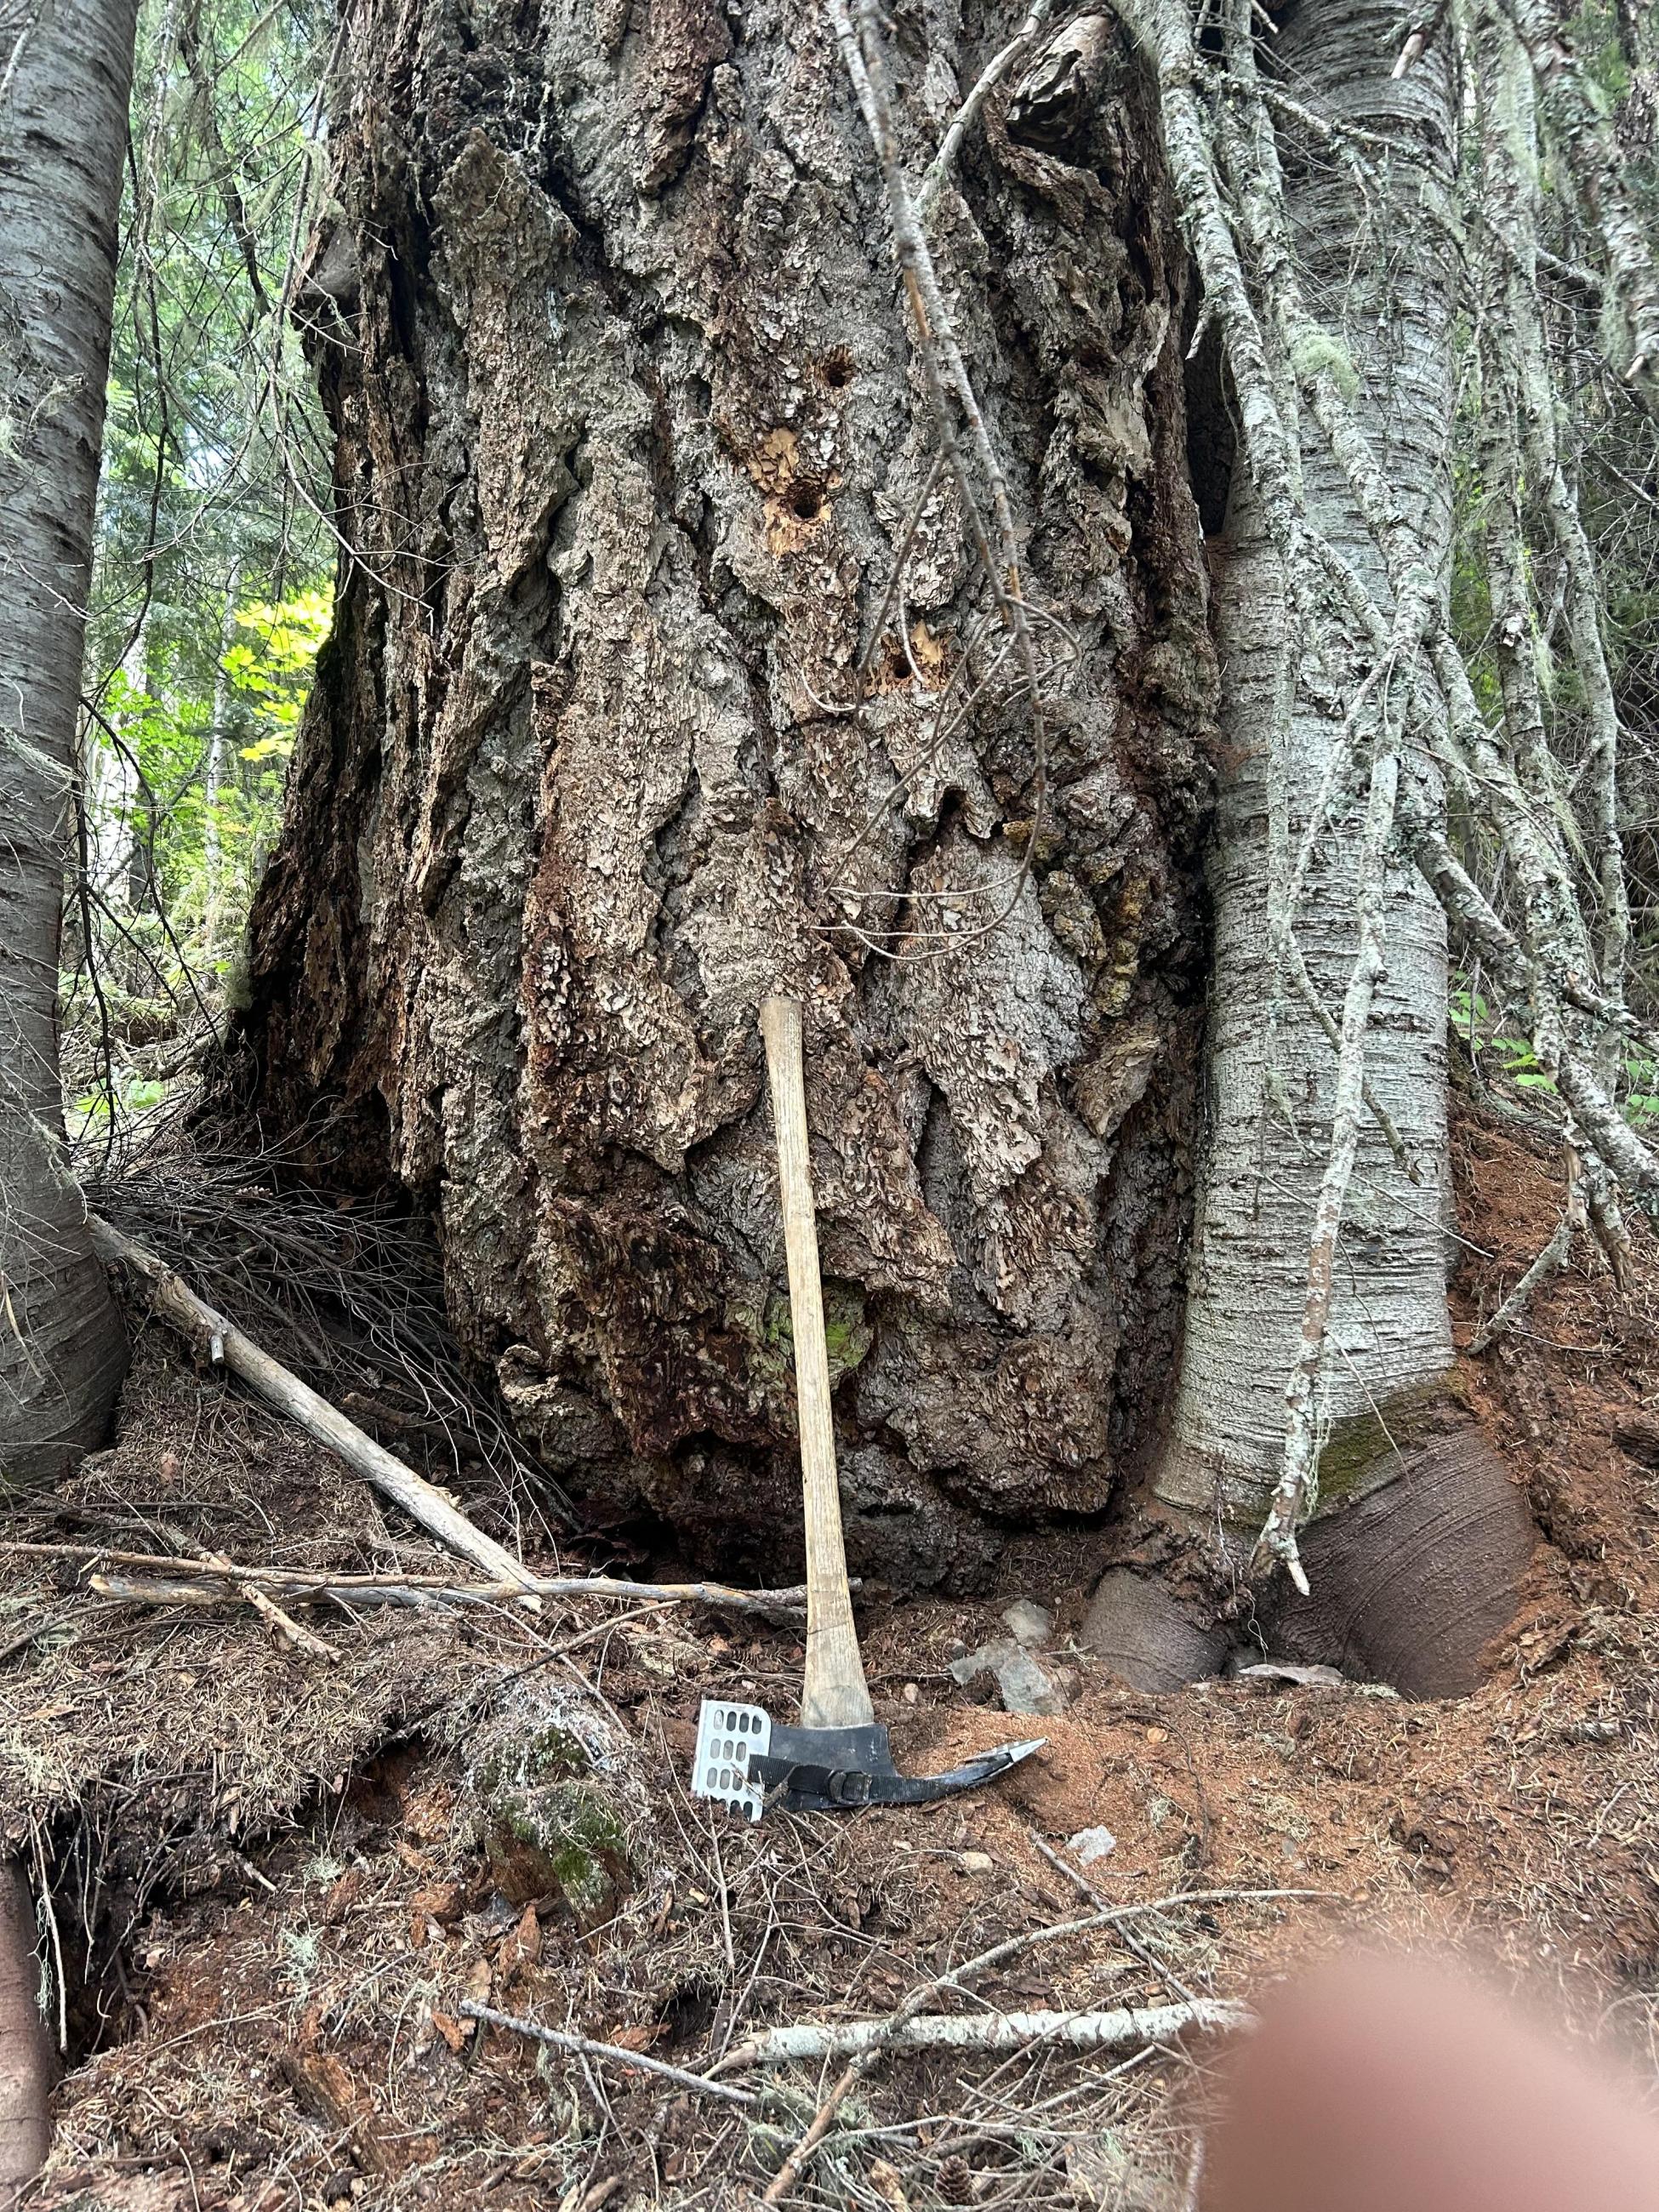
{"x":284,"y":2010}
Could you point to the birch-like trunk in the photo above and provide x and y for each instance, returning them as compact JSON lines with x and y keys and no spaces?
{"x":63,"y":126}
{"x":1381,"y":277}
{"x":219,"y":751}
{"x":1270,"y":1071}
{"x":109,"y":791}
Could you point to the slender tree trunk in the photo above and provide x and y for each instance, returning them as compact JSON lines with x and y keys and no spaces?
{"x":1411,"y":1584}
{"x":26,"y":2056}
{"x":109,"y":790}
{"x":61,"y":129}
{"x":629,"y":436}
{"x":218,"y":753}
{"x":131,"y":893}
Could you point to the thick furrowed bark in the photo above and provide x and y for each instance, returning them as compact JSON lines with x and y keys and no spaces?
{"x":63,"y":126}
{"x":584,"y":781}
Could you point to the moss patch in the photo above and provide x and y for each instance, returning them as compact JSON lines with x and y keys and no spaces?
{"x":564,"y":1840}
{"x":546,"y":1757}
{"x":847,"y":1337}
{"x":1348,"y":1465}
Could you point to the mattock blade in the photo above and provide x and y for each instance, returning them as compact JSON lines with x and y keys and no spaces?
{"x":747,"y":1761}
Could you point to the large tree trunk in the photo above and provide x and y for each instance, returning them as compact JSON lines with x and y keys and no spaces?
{"x":1411,"y":1582}
{"x":1270,"y":1090}
{"x":628,"y":434}
{"x":63,"y":126}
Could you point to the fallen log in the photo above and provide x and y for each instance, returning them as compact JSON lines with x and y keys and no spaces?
{"x":174,"y":1301}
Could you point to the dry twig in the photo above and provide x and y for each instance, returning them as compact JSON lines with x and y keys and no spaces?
{"x":585,"y":2046}
{"x":172,"y":1297}
{"x":882,"y":2034}
{"x":303,"y":1583}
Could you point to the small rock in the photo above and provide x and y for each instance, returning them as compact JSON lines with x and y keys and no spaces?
{"x":1283,"y":1670}
{"x":1091,"y":1843}
{"x":972,"y":1663}
{"x":1028,"y":1622}
{"x":910,"y":1693}
{"x":1027,"y":1687}
{"x":975,"y":1861}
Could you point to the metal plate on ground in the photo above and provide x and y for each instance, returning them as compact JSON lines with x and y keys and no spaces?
{"x":728,"y":1737}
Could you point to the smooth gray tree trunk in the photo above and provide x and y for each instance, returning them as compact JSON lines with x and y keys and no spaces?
{"x":1269,"y":1087}
{"x":63,"y":126}
{"x":1420,"y":1533}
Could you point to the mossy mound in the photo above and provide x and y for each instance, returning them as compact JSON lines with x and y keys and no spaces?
{"x":564,"y":1840}
{"x":561,"y":1808}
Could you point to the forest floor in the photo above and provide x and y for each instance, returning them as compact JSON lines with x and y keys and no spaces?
{"x":270,"y":1898}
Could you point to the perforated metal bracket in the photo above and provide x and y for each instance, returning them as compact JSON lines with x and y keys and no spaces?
{"x":730,"y":1738}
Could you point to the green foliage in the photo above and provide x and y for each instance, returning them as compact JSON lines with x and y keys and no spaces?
{"x":273,"y":672}
{"x":212,"y":590}
{"x":1505,"y":1058}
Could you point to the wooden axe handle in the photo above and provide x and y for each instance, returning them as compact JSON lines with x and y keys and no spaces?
{"x":834,"y":1694}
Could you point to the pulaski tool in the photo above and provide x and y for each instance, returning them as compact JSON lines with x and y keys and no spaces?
{"x":838,"y":1758}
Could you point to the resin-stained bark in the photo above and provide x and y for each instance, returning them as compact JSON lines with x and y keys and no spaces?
{"x":629,"y":435}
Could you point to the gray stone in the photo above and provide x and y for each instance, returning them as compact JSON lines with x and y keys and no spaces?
{"x":1091,"y":1843}
{"x":1026,"y":1685}
{"x":1028,"y":1622}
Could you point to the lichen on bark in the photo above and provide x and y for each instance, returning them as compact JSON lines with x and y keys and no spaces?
{"x":628,"y":435}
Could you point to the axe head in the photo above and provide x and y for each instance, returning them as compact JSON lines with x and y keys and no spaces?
{"x":746,"y":1759}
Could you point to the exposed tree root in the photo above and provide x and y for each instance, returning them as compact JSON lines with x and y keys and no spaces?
{"x":1409,"y":1585}
{"x":1411,"y":1582}
{"x":1148,"y":1636}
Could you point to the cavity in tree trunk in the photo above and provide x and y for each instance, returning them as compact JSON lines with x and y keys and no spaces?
{"x":63,"y":126}
{"x":630,"y":435}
